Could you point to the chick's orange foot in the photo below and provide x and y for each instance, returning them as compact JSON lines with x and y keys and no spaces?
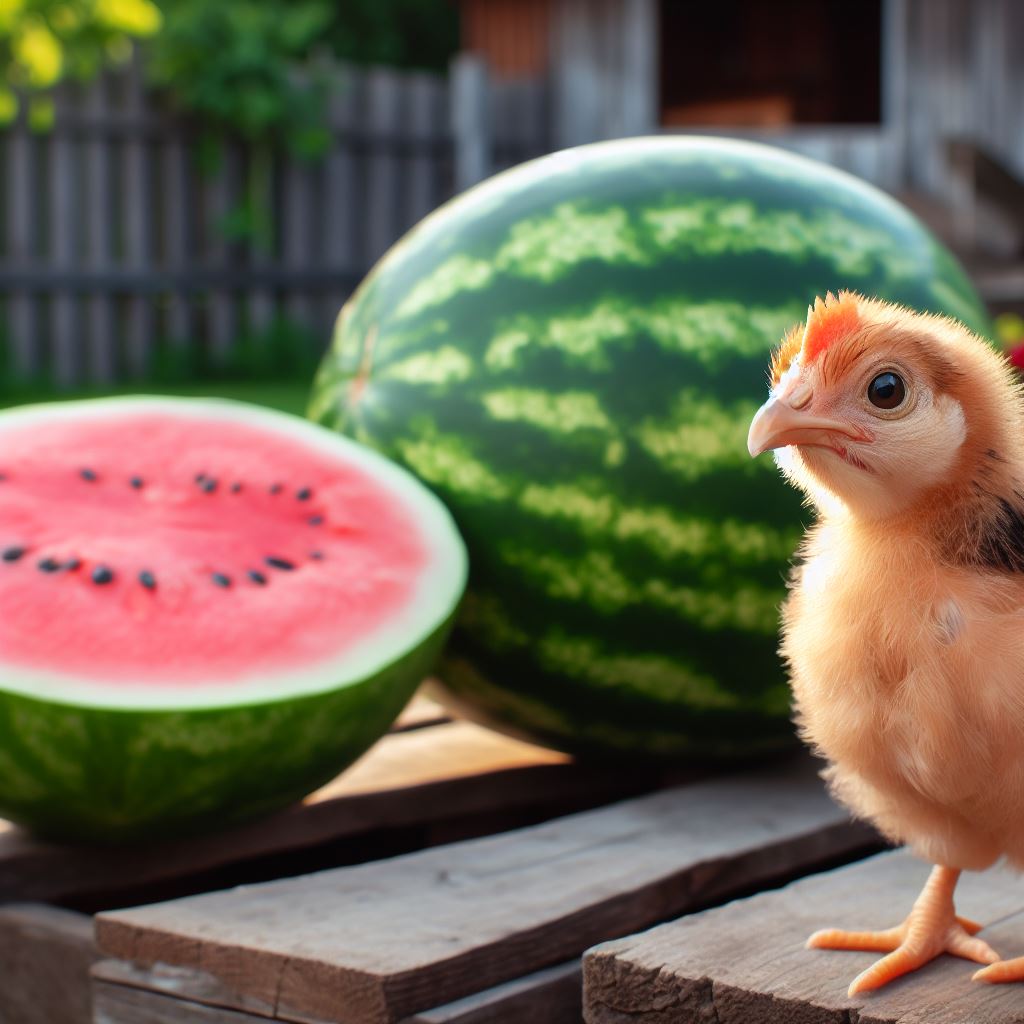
{"x":931,"y":929}
{"x":1003,"y":971}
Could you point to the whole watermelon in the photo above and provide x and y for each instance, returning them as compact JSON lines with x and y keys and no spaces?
{"x":570,"y":355}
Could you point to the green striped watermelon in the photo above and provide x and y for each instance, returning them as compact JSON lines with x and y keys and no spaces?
{"x":570,"y":355}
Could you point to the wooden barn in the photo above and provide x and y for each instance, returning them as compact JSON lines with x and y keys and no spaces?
{"x":919,"y":96}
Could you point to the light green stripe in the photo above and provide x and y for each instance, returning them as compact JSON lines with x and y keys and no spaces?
{"x":668,"y":680}
{"x":701,"y":435}
{"x":596,"y":580}
{"x":445,"y":365}
{"x":446,"y":461}
{"x":553,"y":246}
{"x":712,"y":333}
{"x":456,"y":275}
{"x":600,"y":515}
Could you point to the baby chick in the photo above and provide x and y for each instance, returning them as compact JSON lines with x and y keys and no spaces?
{"x":904,"y":626}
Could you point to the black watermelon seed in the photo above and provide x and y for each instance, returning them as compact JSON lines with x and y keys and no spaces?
{"x":304,"y":495}
{"x":276,"y":488}
{"x":317,"y":556}
{"x":220,"y":579}
{"x":315,"y":520}
{"x":147,"y":579}
{"x":279,"y":563}
{"x":209,"y":485}
{"x":48,"y":565}
{"x":199,"y":477}
{"x":236,"y":487}
{"x":87,"y":474}
{"x":12,"y":554}
{"x":136,"y":482}
{"x":101,"y":574}
{"x":72,"y":564}
{"x":257,"y":577}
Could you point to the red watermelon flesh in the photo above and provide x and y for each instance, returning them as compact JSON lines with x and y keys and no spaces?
{"x":226,"y":525}
{"x":183,"y":555}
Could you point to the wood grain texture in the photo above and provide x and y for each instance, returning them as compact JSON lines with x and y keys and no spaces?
{"x":745,"y":963}
{"x":45,"y":955}
{"x":387,"y":940}
{"x":453,"y":778}
{"x":126,"y":994}
{"x":551,"y":996}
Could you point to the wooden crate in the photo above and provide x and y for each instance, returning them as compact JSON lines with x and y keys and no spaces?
{"x":453,"y":875}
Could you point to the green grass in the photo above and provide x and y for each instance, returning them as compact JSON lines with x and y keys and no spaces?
{"x":287,"y":396}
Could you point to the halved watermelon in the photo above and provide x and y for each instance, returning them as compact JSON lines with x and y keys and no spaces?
{"x":206,"y":610}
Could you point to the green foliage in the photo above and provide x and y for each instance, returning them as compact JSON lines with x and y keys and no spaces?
{"x":235,"y":65}
{"x":45,"y":41}
{"x":401,"y":33}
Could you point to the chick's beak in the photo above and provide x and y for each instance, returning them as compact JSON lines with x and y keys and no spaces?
{"x":778,"y":424}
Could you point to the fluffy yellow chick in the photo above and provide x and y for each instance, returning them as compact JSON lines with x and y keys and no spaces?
{"x":904,"y":626}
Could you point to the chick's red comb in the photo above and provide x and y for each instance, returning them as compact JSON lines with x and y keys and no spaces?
{"x":829,"y":319}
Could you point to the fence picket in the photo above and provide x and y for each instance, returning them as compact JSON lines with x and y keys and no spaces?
{"x":383,"y":185}
{"x":138,"y":234}
{"x":341,"y":209}
{"x":102,"y":360}
{"x":177,"y":237}
{"x":134,"y":229}
{"x":221,"y":197}
{"x":24,"y":339}
{"x":66,"y":349}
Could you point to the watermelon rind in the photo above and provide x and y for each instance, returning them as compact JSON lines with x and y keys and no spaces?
{"x":570,"y":355}
{"x":86,"y":760}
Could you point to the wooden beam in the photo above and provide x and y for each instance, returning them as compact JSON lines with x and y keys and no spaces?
{"x":46,"y":953}
{"x":745,"y":963}
{"x":390,"y":939}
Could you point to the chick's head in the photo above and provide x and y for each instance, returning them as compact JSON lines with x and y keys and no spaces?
{"x":878,"y":408}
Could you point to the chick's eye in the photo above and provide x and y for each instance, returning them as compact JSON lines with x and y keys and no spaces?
{"x":887,"y":391}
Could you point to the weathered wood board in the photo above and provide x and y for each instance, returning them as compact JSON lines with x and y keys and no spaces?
{"x":124,"y":994}
{"x":45,"y":955}
{"x":745,"y":963}
{"x":379,"y":942}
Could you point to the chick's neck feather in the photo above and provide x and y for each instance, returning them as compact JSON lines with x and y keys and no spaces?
{"x":976,"y":515}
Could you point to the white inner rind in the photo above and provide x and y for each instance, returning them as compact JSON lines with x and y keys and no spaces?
{"x":436,"y":594}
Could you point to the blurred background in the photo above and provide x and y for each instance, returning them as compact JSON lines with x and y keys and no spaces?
{"x":190,"y":189}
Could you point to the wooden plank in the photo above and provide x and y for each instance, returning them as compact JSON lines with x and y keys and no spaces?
{"x":427,"y":123}
{"x":551,"y":996}
{"x":126,"y":994}
{"x":46,"y":953}
{"x":420,"y":712}
{"x":115,"y":1002}
{"x":745,"y":963}
{"x":422,"y":785}
{"x":389,"y":939}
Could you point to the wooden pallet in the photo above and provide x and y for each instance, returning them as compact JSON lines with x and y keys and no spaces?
{"x":746,"y":962}
{"x":453,"y":876}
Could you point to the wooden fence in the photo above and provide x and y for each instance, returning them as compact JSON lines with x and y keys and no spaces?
{"x":113,"y":241}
